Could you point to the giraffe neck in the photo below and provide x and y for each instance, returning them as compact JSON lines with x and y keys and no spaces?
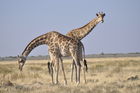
{"x":81,"y":32}
{"x":43,"y":39}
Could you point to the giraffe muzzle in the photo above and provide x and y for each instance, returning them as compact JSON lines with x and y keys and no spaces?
{"x":102,"y":21}
{"x":21,"y":66}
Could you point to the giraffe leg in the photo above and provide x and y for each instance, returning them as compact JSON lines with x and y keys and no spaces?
{"x":75,"y":71}
{"x":72,"y":69}
{"x":73,"y":66}
{"x":84,"y":70}
{"x":51,"y":70}
{"x":56,"y":70}
{"x":84,"y":76}
{"x":63,"y":71}
{"x":51,"y":66}
{"x":78,"y":72}
{"x":76,"y":58}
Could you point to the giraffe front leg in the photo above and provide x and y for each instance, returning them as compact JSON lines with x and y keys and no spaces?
{"x":56,"y":71}
{"x":51,"y":69}
{"x":52,"y":66}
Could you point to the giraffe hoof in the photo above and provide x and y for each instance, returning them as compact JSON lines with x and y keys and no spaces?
{"x":57,"y":83}
{"x":78,"y":83}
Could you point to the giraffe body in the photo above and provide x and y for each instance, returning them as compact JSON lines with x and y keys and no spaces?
{"x":59,"y":45}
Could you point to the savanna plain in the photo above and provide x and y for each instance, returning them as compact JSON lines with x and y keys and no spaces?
{"x":105,"y":75}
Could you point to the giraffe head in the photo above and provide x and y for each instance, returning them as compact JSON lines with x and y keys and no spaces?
{"x":21,"y":62}
{"x":100,"y":16}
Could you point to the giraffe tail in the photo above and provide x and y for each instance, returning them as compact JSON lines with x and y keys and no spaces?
{"x":85,"y":64}
{"x":49,"y":67}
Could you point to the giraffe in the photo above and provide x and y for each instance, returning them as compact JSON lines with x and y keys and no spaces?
{"x":83,"y":31}
{"x":58,"y":46}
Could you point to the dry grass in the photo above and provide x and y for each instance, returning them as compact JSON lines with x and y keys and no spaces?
{"x":105,"y":75}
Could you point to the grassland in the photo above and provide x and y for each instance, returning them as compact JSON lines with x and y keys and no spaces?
{"x":105,"y":75}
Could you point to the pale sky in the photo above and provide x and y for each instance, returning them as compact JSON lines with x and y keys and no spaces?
{"x":23,"y":20}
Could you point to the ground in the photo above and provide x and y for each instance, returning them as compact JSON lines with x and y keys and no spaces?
{"x":105,"y":75}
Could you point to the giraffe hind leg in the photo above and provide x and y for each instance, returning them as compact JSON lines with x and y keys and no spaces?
{"x":78,"y":73}
{"x":63,"y":71}
{"x":84,"y":70}
{"x":78,"y":69}
{"x":72,"y":70}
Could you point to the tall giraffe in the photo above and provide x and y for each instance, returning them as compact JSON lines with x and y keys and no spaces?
{"x":83,"y":31}
{"x":58,"y":46}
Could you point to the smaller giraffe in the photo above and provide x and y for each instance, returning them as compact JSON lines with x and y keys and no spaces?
{"x":58,"y":46}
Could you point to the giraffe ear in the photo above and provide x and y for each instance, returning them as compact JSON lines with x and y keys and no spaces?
{"x":96,"y":14}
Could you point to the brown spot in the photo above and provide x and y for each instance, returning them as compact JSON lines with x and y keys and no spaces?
{"x":60,"y":40}
{"x":64,"y":40}
{"x":51,"y":39}
{"x":55,"y":38}
{"x":41,"y":38}
{"x":72,"y":41}
{"x":55,"y":44}
{"x":48,"y":37}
